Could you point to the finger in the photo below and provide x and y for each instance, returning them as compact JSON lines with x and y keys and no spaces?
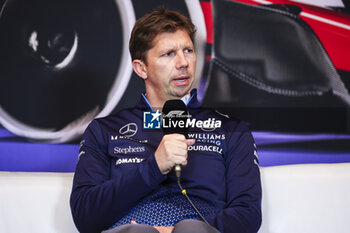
{"x":133,"y":222}
{"x":190,"y":142}
{"x":176,"y":144}
{"x":176,"y":136}
{"x":179,"y":137}
{"x":184,"y":163}
{"x":179,"y":160}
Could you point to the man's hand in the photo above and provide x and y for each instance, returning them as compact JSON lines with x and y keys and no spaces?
{"x":172,"y":150}
{"x":164,"y":229}
{"x":158,"y":228}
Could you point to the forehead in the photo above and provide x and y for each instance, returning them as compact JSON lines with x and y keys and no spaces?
{"x":166,"y":40}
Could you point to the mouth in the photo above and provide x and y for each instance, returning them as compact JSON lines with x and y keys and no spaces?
{"x":182,"y":80}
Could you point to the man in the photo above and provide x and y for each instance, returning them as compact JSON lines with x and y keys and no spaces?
{"x":124,"y":180}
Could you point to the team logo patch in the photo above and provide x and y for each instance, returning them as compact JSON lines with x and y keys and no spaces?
{"x":128,"y":130}
{"x":129,"y":160}
{"x":128,"y":150}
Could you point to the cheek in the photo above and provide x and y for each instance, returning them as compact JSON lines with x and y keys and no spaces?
{"x":194,"y":63}
{"x":161,"y":65}
{"x":166,"y":69}
{"x":193,"y":59}
{"x":156,"y":70}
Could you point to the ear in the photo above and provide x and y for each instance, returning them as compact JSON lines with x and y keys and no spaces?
{"x":140,"y":68}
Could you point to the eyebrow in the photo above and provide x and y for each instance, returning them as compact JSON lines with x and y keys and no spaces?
{"x":174,"y":48}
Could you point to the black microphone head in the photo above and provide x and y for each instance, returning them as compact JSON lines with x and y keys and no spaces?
{"x":175,"y":117}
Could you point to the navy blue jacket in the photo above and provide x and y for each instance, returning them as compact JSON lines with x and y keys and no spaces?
{"x":117,"y":176}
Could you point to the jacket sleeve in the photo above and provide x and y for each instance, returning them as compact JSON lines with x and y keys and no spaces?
{"x":242,"y":213}
{"x":97,"y":200}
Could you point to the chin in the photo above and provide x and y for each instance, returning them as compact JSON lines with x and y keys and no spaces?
{"x":182,"y":92}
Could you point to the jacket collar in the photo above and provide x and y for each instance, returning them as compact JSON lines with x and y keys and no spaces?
{"x":192,"y":101}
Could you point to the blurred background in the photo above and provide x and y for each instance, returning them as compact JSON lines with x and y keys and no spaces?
{"x":282,"y":66}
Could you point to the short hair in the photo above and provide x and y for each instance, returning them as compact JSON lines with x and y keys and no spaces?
{"x":154,"y":23}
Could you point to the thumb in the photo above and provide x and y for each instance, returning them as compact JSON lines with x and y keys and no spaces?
{"x":133,"y":222}
{"x":190,"y":142}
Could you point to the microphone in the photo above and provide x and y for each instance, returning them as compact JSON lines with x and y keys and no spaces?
{"x":175,"y":116}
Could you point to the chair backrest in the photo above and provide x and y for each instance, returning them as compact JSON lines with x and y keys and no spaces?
{"x":36,"y":202}
{"x":296,"y":199}
{"x":306,"y":198}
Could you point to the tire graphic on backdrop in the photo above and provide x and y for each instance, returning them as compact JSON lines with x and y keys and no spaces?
{"x":59,"y":73}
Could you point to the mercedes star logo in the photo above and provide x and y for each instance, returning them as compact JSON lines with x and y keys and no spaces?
{"x":128,"y":130}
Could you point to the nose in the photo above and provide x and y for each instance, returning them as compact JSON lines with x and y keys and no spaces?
{"x":181,"y":61}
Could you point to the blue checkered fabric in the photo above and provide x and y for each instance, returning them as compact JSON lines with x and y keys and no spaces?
{"x":165,"y":208}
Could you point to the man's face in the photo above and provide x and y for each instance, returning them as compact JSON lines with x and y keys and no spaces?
{"x":171,"y":65}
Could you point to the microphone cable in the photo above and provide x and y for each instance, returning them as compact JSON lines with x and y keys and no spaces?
{"x":184,"y":192}
{"x":169,"y":109}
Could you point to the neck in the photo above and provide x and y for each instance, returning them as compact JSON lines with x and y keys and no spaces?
{"x":158,"y":102}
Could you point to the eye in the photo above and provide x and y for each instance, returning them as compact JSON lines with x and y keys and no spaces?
{"x":168,"y":54}
{"x":188,"y":50}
